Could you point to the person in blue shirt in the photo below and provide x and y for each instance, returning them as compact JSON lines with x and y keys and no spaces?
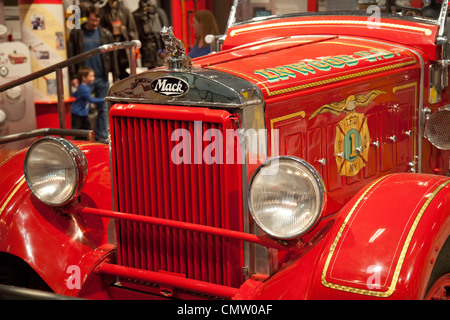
{"x":84,"y":98}
{"x":203,"y":24}
{"x":90,"y":36}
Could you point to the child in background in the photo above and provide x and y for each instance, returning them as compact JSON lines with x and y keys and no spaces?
{"x":83,"y":95}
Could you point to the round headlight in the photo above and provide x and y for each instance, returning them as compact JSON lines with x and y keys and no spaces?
{"x":286,"y":197}
{"x":55,"y":170}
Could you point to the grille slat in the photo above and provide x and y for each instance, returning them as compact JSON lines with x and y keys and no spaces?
{"x":147,"y":261}
{"x":154,"y":196}
{"x":139,"y":204}
{"x":149,"y":182}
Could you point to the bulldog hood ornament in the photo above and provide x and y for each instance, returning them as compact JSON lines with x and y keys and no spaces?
{"x":176,"y":57}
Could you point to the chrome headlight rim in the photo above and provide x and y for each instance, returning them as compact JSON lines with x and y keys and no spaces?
{"x":77,"y":160}
{"x":321,"y":194}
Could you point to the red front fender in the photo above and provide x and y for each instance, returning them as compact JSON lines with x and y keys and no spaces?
{"x":56,"y":246}
{"x":383,"y":244}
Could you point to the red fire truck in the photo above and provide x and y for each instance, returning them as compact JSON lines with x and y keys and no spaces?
{"x":308,"y":158}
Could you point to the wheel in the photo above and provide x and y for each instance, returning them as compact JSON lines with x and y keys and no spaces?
{"x":440,"y":290}
{"x":15,"y":272}
{"x":439,"y":283}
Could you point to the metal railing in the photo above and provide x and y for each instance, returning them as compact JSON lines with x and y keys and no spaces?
{"x":18,"y":293}
{"x":58,"y":68}
{"x":88,"y":134}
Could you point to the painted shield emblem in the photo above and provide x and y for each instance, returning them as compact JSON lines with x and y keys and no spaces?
{"x":351,"y":147}
{"x":170,"y":86}
{"x":352,"y":144}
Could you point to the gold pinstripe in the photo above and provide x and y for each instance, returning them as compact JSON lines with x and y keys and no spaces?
{"x":11,"y":195}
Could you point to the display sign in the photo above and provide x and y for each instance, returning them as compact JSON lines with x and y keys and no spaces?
{"x":17,"y":113}
{"x":43,"y":31}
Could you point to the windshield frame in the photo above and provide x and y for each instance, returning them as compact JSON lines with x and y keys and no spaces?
{"x":441,"y":21}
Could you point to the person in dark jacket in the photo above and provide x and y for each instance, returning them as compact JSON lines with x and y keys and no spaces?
{"x":88,"y":37}
{"x":150,"y":19}
{"x":118,"y":19}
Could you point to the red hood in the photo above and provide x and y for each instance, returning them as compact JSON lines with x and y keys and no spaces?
{"x":290,"y":64}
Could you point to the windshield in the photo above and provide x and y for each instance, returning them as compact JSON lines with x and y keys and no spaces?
{"x":428,"y":10}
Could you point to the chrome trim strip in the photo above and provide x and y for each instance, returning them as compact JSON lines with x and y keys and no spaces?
{"x":443,"y":18}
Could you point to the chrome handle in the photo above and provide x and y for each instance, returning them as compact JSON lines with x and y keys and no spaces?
{"x":322,"y":161}
{"x":393,"y":138}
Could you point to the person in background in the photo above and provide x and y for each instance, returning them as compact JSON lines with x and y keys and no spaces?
{"x":204,"y":23}
{"x":83,"y":95}
{"x":118,"y":19}
{"x":91,"y":36}
{"x":150,"y":19}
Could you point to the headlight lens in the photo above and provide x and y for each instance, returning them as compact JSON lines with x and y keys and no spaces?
{"x":286,"y":197}
{"x":55,"y":170}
